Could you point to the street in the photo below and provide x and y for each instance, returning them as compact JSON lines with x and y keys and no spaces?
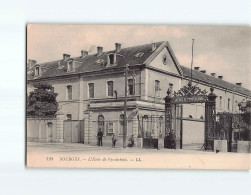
{"x":78,"y":148}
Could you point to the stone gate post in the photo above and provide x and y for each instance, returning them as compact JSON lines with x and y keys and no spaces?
{"x":60,"y":126}
{"x":168,"y":113}
{"x":210,"y":120}
{"x":88,"y":127}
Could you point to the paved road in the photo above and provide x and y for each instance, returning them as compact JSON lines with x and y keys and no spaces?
{"x":73,"y":148}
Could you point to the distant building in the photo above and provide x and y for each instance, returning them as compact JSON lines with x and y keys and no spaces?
{"x":91,"y":87}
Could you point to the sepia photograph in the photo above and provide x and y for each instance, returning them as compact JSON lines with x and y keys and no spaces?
{"x":125,"y":97}
{"x":138,"y":96}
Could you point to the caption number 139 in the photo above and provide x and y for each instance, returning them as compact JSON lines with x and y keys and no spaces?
{"x":49,"y":158}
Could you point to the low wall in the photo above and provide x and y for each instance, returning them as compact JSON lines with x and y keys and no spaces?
{"x":243,"y":147}
{"x":220,"y":145}
{"x":41,"y":130}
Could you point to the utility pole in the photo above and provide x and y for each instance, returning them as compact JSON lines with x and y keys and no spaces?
{"x":125,"y":108}
{"x":192,"y":62}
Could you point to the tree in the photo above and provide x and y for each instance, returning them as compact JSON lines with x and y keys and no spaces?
{"x":42,"y":102}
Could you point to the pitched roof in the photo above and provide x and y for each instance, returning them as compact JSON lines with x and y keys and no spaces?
{"x":128,"y":56}
{"x":92,"y":62}
{"x":214,"y":81}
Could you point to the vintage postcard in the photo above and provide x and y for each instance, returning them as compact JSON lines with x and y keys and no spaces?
{"x":138,"y":96}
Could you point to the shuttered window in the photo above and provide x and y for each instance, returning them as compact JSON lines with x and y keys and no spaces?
{"x":91,"y":90}
{"x":110,"y":88}
{"x":131,"y":86}
{"x":69,"y":92}
{"x":228,"y":103}
{"x":220,"y":102}
{"x":110,"y":128}
{"x":157,"y":85}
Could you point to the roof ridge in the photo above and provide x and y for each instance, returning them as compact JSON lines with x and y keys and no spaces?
{"x":135,"y":46}
{"x":204,"y":74}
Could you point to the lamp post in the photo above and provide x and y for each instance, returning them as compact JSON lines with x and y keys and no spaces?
{"x":125,"y":108}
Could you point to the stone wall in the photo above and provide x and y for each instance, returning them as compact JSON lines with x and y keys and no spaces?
{"x":41,"y":130}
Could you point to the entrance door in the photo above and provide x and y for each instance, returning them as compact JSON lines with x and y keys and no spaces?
{"x":73,"y":131}
{"x":50,"y":134}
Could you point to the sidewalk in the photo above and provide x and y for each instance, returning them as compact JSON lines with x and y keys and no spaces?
{"x":82,"y":148}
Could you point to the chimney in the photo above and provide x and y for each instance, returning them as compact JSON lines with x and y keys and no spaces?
{"x":213,"y":74}
{"x":66,"y":56}
{"x":197,"y":68}
{"x":84,"y":53}
{"x":99,"y":50}
{"x":220,"y":77}
{"x":117,"y":47}
{"x":31,"y":63}
{"x":203,"y":71}
{"x":154,"y":46}
{"x":239,"y":84}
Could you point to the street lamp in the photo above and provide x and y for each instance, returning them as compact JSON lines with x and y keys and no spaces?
{"x":125,"y":108}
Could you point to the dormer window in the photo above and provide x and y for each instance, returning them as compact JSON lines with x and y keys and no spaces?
{"x":100,"y":61}
{"x":139,"y":55}
{"x":70,"y":67}
{"x":111,"y":59}
{"x":37,"y":71}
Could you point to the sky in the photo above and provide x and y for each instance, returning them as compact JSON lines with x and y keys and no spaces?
{"x":225,"y":50}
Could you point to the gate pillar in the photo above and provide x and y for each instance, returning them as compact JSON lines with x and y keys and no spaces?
{"x":168,"y":113}
{"x":88,"y":128}
{"x":210,"y":120}
{"x":60,"y":126}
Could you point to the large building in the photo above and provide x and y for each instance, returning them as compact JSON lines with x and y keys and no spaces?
{"x":92,"y":88}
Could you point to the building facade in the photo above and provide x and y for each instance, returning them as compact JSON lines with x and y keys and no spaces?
{"x":92,"y":88}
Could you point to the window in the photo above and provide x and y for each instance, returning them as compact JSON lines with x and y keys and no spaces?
{"x":228,"y":103}
{"x":100,"y":61}
{"x":157,"y":86}
{"x":164,"y":60}
{"x":101,"y":122}
{"x":69,"y":92}
{"x":68,"y":117}
{"x":110,"y":128}
{"x":91,"y":90}
{"x":131,"y":86}
{"x":220,"y":102}
{"x":37,"y":71}
{"x":70,"y":66}
{"x":110,"y":88}
{"x":139,"y":55}
{"x":112,"y":59}
{"x":49,"y":124}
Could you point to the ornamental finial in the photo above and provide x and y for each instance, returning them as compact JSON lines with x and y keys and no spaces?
{"x":211,"y":89}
